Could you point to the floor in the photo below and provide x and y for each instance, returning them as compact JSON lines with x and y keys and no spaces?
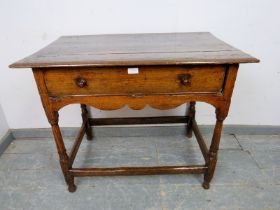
{"x":247,"y":175}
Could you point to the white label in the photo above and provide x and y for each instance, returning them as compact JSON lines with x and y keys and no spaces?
{"x":132,"y":70}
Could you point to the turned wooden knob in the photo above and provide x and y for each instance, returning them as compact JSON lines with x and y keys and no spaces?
{"x":185,"y":79}
{"x":80,"y":82}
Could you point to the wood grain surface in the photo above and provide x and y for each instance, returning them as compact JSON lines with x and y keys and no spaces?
{"x":135,"y":50}
{"x":149,"y":80}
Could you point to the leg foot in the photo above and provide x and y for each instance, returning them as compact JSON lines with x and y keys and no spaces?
{"x":72,"y":188}
{"x":89,"y":134}
{"x":71,"y":185}
{"x":206,"y":185}
{"x":189,"y":131}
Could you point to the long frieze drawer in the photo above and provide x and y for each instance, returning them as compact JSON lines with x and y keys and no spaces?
{"x":127,"y":81}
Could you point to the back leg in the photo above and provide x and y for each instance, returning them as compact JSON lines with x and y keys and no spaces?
{"x":191,"y":114}
{"x":85,"y":116}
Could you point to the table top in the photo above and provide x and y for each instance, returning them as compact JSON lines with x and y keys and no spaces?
{"x":134,"y":50}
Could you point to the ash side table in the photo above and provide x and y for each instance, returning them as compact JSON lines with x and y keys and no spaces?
{"x":160,"y":70}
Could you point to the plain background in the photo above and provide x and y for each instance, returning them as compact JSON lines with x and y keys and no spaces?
{"x":250,"y":25}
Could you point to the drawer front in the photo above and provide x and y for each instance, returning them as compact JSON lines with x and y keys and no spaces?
{"x":148,"y":80}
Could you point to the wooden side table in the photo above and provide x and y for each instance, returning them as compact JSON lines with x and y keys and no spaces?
{"x":110,"y":71}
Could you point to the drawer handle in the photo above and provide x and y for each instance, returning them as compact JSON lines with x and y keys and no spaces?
{"x":185,"y":79}
{"x":80,"y":82}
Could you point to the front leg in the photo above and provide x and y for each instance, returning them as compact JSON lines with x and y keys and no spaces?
{"x":64,"y":159}
{"x":213,"y":152}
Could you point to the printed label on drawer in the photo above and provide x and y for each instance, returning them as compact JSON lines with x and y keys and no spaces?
{"x":132,"y":70}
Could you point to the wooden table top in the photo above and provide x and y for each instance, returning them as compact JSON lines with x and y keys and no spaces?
{"x":134,"y":50}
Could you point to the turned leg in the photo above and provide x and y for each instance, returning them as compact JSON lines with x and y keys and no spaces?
{"x":64,"y":159}
{"x":85,"y":116}
{"x":213,"y":151}
{"x":191,"y":114}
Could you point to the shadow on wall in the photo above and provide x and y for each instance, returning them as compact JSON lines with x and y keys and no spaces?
{"x":3,"y":123}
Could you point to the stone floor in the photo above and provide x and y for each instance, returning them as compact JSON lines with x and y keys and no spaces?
{"x":247,"y":175}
